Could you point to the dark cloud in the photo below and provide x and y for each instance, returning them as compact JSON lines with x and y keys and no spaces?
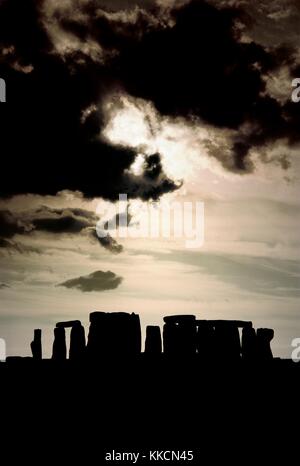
{"x":10,"y":224}
{"x":126,"y":4}
{"x":5,"y":243}
{"x":52,"y":221}
{"x":196,"y":67}
{"x":194,"y":62}
{"x":152,"y":183}
{"x":41,"y":123}
{"x":97,"y":281}
{"x":8,"y":244}
{"x":202,"y":68}
{"x":3,"y":286}
{"x":122,"y":219}
{"x":190,"y":61}
{"x":15,"y":246}
{"x":108,"y":242}
{"x":111,"y":244}
{"x":63,"y":220}
{"x":269,"y":22}
{"x":45,"y":219}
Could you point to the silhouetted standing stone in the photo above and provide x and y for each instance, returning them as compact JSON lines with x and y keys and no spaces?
{"x":77,"y":339}
{"x":77,"y":342}
{"x":68,"y":324}
{"x":249,"y":344}
{"x":206,"y":340}
{"x":220,"y":338}
{"x":59,"y":345}
{"x":179,"y":335}
{"x":116,"y":333}
{"x":235,"y":323}
{"x":121,"y":334}
{"x":153,"y":343}
{"x":176,"y":319}
{"x":36,"y":345}
{"x":264,"y":338}
{"x":136,"y":334}
{"x":228,"y":346}
{"x":97,"y":334}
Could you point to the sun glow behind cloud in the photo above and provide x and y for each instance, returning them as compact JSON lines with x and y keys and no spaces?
{"x":190,"y":149}
{"x":135,"y":123}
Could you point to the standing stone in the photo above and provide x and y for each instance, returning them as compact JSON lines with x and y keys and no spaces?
{"x":36,"y":344}
{"x":114,"y":334}
{"x":179,"y":335}
{"x":187,"y":318}
{"x":249,"y":344}
{"x":228,"y":346}
{"x":264,"y":338}
{"x":206,"y":340}
{"x":153,"y":343}
{"x":59,"y":352}
{"x":122,"y":331}
{"x":136,"y":334}
{"x":97,"y":337}
{"x":77,"y":342}
{"x":68,"y":324}
{"x":170,"y":338}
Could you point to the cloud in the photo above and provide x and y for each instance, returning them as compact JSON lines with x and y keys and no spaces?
{"x":8,"y":54}
{"x":191,"y":60}
{"x":4,"y":243}
{"x":3,"y":286}
{"x":45,"y":219}
{"x":184,"y":145}
{"x":62,"y":220}
{"x":10,"y":225}
{"x":15,"y":246}
{"x":152,"y":183}
{"x":260,"y":275}
{"x":108,"y":242}
{"x":268,"y":22}
{"x":84,"y":30}
{"x":44,"y":119}
{"x":97,"y":281}
{"x":52,"y":221}
{"x":201,"y":68}
{"x":247,"y":92}
{"x":9,"y":245}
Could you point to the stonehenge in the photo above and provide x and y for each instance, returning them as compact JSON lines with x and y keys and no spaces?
{"x":118,"y":334}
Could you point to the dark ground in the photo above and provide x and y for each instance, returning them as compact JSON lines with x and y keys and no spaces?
{"x":65,"y":413}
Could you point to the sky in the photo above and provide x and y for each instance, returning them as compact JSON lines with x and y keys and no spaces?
{"x":164,"y":101}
